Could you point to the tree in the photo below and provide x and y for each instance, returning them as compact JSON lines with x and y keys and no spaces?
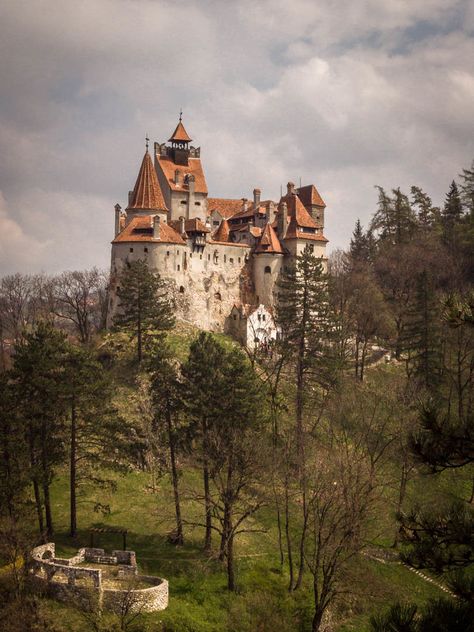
{"x":451,"y":215}
{"x":360,"y":249}
{"x":79,"y":298}
{"x":144,"y":308}
{"x":38,"y":373}
{"x":428,"y":216}
{"x":394,"y":220}
{"x":167,"y":405}
{"x":201,"y":372}
{"x":97,"y":435}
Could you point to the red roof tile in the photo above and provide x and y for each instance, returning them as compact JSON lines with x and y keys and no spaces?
{"x":190,"y":226}
{"x":309,"y":195}
{"x":180,"y":134}
{"x":226,"y":207}
{"x":269,"y":242}
{"x":193,"y":167}
{"x":141,"y":229}
{"x":147,"y":192}
{"x":222,"y":233}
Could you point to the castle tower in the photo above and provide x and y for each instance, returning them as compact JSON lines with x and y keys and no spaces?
{"x":179,"y":170}
{"x":267,"y":261}
{"x":147,"y":197}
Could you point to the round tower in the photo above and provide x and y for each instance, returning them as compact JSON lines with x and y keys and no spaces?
{"x":267,"y":262}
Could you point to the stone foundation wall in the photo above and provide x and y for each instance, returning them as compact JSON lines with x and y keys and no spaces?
{"x":139,"y":600}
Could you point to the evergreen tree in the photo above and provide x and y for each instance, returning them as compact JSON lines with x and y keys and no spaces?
{"x":39,"y":376}
{"x":358,"y":250}
{"x":451,"y":216}
{"x":96,"y":434}
{"x":467,"y":189}
{"x":201,"y":372}
{"x":428,"y":216}
{"x":394,"y":220}
{"x":422,"y":334}
{"x":145,"y":309}
{"x":168,"y":405}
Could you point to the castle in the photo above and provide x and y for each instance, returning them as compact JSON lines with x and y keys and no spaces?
{"x":221,"y":258}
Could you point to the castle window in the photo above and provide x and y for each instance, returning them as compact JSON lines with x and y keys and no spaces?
{"x":218,"y":296}
{"x":178,"y":267}
{"x":267,"y":270}
{"x":200,"y":256}
{"x":239,"y":259}
{"x":183,"y":202}
{"x":197,"y":203}
{"x":181,"y":289}
{"x":216,"y":223}
{"x":235,"y":316}
{"x":190,"y":255}
{"x":131,"y":249}
{"x":263,"y":316}
{"x":167,"y":253}
{"x":231,"y":260}
{"x":145,"y":249}
{"x":208,"y":257}
{"x":225,"y":258}
{"x":259,"y":318}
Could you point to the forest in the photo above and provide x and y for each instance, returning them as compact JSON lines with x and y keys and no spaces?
{"x":295,"y":487}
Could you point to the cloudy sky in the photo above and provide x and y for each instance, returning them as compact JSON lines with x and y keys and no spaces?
{"x":344,"y":94}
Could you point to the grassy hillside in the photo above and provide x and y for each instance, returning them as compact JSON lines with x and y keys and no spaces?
{"x":199,"y":600}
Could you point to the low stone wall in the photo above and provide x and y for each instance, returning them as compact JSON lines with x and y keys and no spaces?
{"x":63,"y":579}
{"x":140,"y":599}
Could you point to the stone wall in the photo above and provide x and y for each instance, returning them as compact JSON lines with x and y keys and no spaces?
{"x":138,"y":600}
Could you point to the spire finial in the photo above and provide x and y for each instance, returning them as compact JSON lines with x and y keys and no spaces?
{"x":147,"y":140}
{"x":180,"y":114}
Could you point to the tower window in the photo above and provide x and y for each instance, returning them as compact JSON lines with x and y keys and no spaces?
{"x":197,"y":203}
{"x":231,"y":260}
{"x":167,"y":253}
{"x":181,"y":289}
{"x":183,"y":202}
{"x":267,"y":270}
{"x":145,"y":249}
{"x":131,"y":249}
{"x":178,"y":267}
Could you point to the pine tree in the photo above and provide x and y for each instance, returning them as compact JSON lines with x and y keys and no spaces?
{"x":201,"y":372}
{"x":145,"y":309}
{"x":168,"y":406}
{"x":96,"y":434}
{"x":422,"y":334}
{"x":358,"y":250}
{"x":394,"y":220}
{"x":38,"y":373}
{"x":451,"y":216}
{"x":467,"y":190}
{"x":428,"y":216}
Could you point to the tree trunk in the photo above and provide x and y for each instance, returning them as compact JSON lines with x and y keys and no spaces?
{"x":39,"y":508}
{"x":288,"y":538}
{"x":362,"y":362}
{"x":47,"y":511}
{"x":72,"y":472}
{"x":230,"y":560}
{"x":302,"y":541}
{"x":208,"y":508}
{"x":174,"y":474}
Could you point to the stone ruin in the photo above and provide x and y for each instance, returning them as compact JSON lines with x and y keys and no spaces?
{"x":111,"y":582}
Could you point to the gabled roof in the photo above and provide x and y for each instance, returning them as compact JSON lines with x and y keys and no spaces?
{"x":222,"y":233}
{"x":147,"y":193}
{"x":190,"y":226}
{"x":248,"y":212}
{"x":180,"y":134}
{"x":294,"y":232}
{"x":141,"y":229}
{"x":226,"y":207}
{"x":269,"y":242}
{"x":297,"y":211}
{"x":309,"y":195}
{"x":194,"y":168}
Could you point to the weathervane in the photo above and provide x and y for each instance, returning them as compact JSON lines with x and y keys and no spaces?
{"x":180,"y":114}
{"x":147,"y":140}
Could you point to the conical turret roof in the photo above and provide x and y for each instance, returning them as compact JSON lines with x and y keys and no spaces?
{"x":147,"y":193}
{"x":180,"y":135}
{"x":269,"y":242}
{"x":222,"y":233}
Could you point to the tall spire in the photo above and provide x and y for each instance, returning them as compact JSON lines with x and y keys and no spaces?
{"x":147,"y":193}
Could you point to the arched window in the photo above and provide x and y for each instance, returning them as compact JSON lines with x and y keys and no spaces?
{"x":218,"y":296}
{"x":181,"y":289}
{"x":267,"y":270}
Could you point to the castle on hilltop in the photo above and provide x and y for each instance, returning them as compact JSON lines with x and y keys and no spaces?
{"x":220,"y":257}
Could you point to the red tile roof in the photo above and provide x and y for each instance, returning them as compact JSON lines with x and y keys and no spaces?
{"x":226,"y":207}
{"x":193,"y":167}
{"x":222,"y":233}
{"x":249,"y":212}
{"x":141,"y":229}
{"x":147,"y":192}
{"x":227,"y":243}
{"x":309,"y":195}
{"x":190,"y":226}
{"x":269,"y":242}
{"x":297,"y":211}
{"x":180,"y":134}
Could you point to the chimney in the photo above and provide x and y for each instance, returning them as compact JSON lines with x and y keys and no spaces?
{"x":118,"y":210}
{"x":290,"y":188}
{"x":282,"y":220}
{"x":256,"y":197}
{"x":177,"y":176}
{"x":244,"y":204}
{"x":156,"y":227}
{"x":181,"y":225}
{"x":268,"y":213}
